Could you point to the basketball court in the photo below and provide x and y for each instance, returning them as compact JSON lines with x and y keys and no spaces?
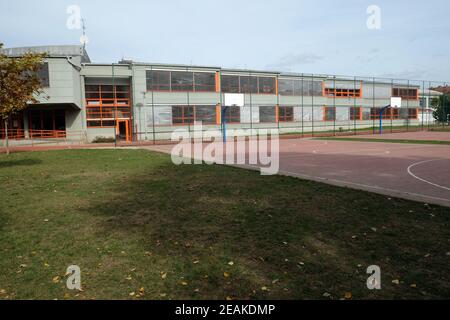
{"x":418,"y":172}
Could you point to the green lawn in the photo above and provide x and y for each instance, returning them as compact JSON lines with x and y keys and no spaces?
{"x":131,"y":220}
{"x":444,"y":142}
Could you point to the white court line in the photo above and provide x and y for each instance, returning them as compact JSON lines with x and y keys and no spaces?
{"x":421,"y":179}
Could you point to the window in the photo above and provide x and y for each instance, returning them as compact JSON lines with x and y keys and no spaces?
{"x":412,"y":114}
{"x":299,"y":87}
{"x":286,"y":87}
{"x":329,"y":113}
{"x":106,"y":103}
{"x":267,"y":114}
{"x":266,"y":85}
{"x":285,"y":114}
{"x":355,"y":113}
{"x":343,"y":93}
{"x":405,"y":93}
{"x":205,"y":82}
{"x":388,"y":113}
{"x":189,"y":114}
{"x":43,"y":121}
{"x":230,"y":84}
{"x":182,"y":114}
{"x":205,"y":114}
{"x":248,"y":84}
{"x":43,"y":75}
{"x":233,"y":115}
{"x":158,"y":80}
{"x":181,"y":81}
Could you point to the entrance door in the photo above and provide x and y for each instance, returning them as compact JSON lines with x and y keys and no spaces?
{"x":123,"y":130}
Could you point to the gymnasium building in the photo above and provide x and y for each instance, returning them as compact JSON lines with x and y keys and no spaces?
{"x":135,"y":101}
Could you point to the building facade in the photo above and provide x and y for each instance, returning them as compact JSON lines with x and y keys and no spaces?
{"x":143,"y":101}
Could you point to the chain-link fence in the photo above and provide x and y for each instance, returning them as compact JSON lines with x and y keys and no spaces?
{"x":299,"y":105}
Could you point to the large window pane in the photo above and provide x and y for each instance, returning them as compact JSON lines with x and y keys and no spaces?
{"x":43,"y":75}
{"x":182,"y":81}
{"x":205,"y":114}
{"x":158,"y":80}
{"x":266,"y":85}
{"x":182,"y":114}
{"x":249,"y":84}
{"x":233,"y":115}
{"x":286,"y":87}
{"x":205,"y":81}
{"x":285,"y":114}
{"x":330,"y":113}
{"x":230,"y":84}
{"x":267,"y":114}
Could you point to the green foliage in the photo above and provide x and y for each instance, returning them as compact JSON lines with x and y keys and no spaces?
{"x":19,"y":82}
{"x":441,"y":106}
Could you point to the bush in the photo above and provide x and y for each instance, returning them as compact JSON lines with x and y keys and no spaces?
{"x":101,"y":139}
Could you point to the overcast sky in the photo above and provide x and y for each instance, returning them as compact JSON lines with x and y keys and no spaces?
{"x":321,"y":36}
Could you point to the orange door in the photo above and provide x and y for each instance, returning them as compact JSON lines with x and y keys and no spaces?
{"x":123,"y":130}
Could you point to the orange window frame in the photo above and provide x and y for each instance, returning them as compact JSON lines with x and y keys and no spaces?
{"x":282,"y":114}
{"x":343,"y":93}
{"x":107,"y":106}
{"x":359,"y":113}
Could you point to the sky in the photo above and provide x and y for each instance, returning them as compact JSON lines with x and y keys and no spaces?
{"x":410,"y":39}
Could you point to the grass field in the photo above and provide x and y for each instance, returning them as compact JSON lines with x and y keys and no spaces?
{"x":142,"y":228}
{"x":443,"y":142}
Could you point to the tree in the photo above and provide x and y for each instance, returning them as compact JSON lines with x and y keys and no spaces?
{"x":441,"y":106}
{"x":19,"y":84}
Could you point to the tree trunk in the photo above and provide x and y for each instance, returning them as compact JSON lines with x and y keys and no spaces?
{"x":6,"y":137}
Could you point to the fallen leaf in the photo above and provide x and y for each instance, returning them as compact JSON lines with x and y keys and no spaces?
{"x":326,"y":295}
{"x":396,"y":281}
{"x":56,"y":279}
{"x":229,"y":298}
{"x":196,"y":262}
{"x":163,"y":275}
{"x":128,"y":277}
{"x":264,"y":289}
{"x":348,"y":295}
{"x":275,"y":281}
{"x":184,"y":283}
{"x":46,"y":265}
{"x":142,"y":290}
{"x":413,"y":285}
{"x":132,"y":294}
{"x":230,"y":263}
{"x":162,"y":295}
{"x":226,"y":274}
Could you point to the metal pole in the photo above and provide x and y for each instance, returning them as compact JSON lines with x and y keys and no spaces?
{"x":153,"y":106}
{"x":115,"y":106}
{"x":312,"y":107}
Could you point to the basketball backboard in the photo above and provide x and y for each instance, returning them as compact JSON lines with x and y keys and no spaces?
{"x":396,"y":102}
{"x":234,"y":99}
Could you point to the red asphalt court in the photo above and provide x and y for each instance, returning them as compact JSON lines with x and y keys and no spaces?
{"x":418,"y":172}
{"x":419,"y":135}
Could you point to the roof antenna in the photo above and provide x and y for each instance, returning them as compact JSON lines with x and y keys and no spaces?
{"x":84,"y":39}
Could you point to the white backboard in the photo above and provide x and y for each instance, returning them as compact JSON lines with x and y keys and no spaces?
{"x":234,"y":99}
{"x":396,"y":102}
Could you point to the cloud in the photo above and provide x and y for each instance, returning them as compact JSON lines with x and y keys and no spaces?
{"x":290,"y":61}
